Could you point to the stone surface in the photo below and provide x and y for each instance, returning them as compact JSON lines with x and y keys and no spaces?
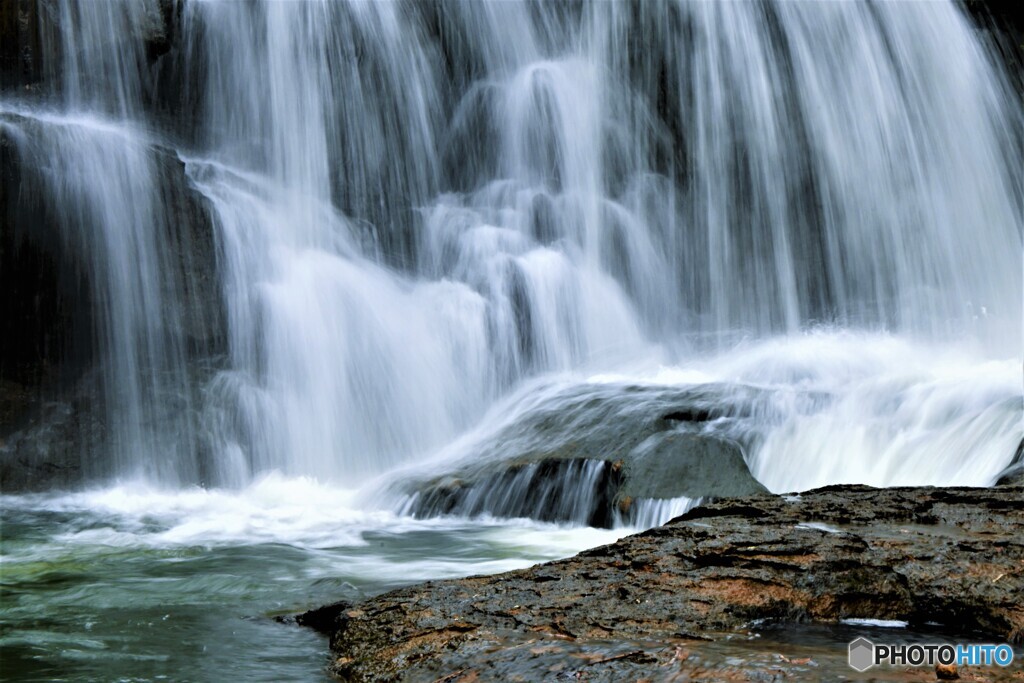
{"x":52,"y":406}
{"x":45,"y":445}
{"x":1001,"y":24}
{"x":20,"y":59}
{"x":586,"y":453}
{"x":1013,"y":475}
{"x":673,"y":601}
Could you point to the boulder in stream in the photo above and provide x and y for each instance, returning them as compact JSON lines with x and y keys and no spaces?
{"x":598,"y":454}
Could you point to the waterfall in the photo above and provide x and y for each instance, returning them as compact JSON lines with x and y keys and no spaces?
{"x":87,"y":155}
{"x":413,"y":208}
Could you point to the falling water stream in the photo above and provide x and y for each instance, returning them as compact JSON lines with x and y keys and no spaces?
{"x":428,"y":221}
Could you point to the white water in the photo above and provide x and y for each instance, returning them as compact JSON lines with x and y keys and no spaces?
{"x":436,"y":220}
{"x":299,"y":513}
{"x":418,"y":208}
{"x":849,"y":167}
{"x":132,"y":582}
{"x":855,"y":408}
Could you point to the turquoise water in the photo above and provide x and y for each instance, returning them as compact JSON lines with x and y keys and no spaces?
{"x":130,"y":584}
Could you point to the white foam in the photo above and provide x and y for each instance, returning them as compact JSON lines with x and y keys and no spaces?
{"x":818,"y":526}
{"x":298,"y":512}
{"x":875,"y":409}
{"x":878,"y":623}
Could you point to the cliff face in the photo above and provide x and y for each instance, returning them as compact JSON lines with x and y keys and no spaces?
{"x":939,"y":559}
{"x":53,"y":415}
{"x":20,"y":62}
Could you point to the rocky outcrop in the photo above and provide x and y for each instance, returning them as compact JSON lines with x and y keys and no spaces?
{"x":668,"y":601}
{"x":998,"y":16}
{"x":1013,"y":475}
{"x":31,"y":48}
{"x":45,"y":327}
{"x":588,"y":453}
{"x":47,"y":312}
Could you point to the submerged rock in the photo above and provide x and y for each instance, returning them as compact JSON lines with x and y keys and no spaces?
{"x":660,"y":603}
{"x":589,"y":453}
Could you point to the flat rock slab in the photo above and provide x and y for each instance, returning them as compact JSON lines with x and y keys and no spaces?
{"x":662,"y":602}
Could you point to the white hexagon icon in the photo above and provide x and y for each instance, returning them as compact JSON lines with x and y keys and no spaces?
{"x":862,"y":654}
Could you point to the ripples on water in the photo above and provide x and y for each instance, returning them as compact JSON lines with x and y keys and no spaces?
{"x":127,"y":583}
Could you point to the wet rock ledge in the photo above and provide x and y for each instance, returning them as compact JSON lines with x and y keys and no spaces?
{"x":657,"y":604}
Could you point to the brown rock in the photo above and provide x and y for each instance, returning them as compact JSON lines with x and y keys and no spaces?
{"x":916,"y":555}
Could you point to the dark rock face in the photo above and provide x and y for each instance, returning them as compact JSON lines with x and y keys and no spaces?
{"x":45,"y":327}
{"x":1013,"y":475}
{"x":996,"y":15}
{"x":673,"y":463}
{"x":587,"y":453}
{"x":45,"y":338}
{"x":942,"y":556}
{"x":583,"y":491}
{"x":20,"y":60}
{"x":1001,"y":24}
{"x":193,"y":246}
{"x":31,"y":50}
{"x":51,"y":440}
{"x":52,"y":403}
{"x":46,"y":315}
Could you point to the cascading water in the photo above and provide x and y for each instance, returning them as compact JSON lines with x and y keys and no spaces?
{"x":420,"y":206}
{"x":417,"y":207}
{"x":104,"y":189}
{"x":349,"y":240}
{"x":104,"y":186}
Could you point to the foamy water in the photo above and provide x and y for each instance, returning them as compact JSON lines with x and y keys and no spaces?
{"x":427,"y":221}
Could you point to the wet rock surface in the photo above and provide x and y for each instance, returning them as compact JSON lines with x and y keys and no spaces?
{"x":20,"y":61}
{"x":45,"y":442}
{"x":1013,"y":475}
{"x":54,"y":417}
{"x":680,"y":599}
{"x":587,"y":453}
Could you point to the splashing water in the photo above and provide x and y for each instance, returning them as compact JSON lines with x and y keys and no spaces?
{"x":542,"y":204}
{"x":417,"y":207}
{"x":421,"y":221}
